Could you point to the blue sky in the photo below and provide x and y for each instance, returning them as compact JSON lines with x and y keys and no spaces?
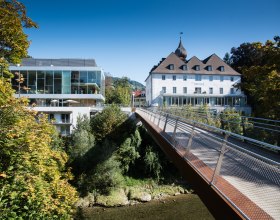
{"x":129,"y":37}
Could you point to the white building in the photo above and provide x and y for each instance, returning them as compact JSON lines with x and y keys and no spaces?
{"x":176,"y":81}
{"x":62,"y":88}
{"x":139,"y":98}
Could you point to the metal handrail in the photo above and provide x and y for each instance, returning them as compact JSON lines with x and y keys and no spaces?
{"x":267,"y":168}
{"x":263,"y":119}
{"x":260,"y":143}
{"x":231,"y":133}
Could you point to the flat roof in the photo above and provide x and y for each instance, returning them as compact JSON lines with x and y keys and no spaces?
{"x":57,"y":62}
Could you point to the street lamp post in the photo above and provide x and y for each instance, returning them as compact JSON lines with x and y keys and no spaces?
{"x":133,"y":94}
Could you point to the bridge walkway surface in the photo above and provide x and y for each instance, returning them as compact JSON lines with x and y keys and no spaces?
{"x":245,"y":176}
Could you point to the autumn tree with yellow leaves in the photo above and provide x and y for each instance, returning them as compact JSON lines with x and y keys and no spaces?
{"x":33,"y":176}
{"x":34,"y":181}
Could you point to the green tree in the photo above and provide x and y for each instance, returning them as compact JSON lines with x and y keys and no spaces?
{"x":259,"y":65}
{"x":227,"y":58}
{"x":128,"y":151}
{"x":82,"y":139}
{"x":120,"y":93}
{"x":13,"y":41}
{"x":106,"y":122}
{"x":152,"y":162}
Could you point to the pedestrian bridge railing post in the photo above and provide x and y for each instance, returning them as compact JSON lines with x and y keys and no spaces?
{"x":174,"y":132}
{"x":159,"y":118}
{"x":166,"y":119}
{"x":220,"y":159}
{"x":190,"y":140}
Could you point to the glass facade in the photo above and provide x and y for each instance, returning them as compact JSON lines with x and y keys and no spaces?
{"x":212,"y":101}
{"x":61,"y":82}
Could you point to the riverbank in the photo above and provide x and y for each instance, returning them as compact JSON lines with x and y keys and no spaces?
{"x":133,"y":192}
{"x":184,"y":206}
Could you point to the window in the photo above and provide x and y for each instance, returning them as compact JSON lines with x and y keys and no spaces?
{"x":210,"y":78}
{"x":51,"y":117}
{"x":232,"y":78}
{"x":171,"y":66}
{"x":163,"y":77}
{"x":197,"y":90}
{"x":197,"y":67}
{"x":185,"y":90}
{"x":221,"y":91}
{"x":221,"y":78}
{"x":222,"y":68}
{"x":65,"y":130}
{"x":210,"y":90}
{"x":185,"y":77}
{"x":174,"y":77}
{"x":184,"y":67}
{"x":164,"y":89}
{"x":65,"y":118}
{"x":231,"y":90}
{"x":174,"y":90}
{"x":197,"y":77}
{"x":209,"y":68}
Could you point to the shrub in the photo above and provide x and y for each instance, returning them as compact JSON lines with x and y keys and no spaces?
{"x":231,"y":121}
{"x":105,"y":176}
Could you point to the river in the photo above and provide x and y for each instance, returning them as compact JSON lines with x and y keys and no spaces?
{"x":187,"y":206}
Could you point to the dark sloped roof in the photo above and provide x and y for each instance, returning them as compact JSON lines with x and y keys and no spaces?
{"x":58,"y":62}
{"x":213,"y":60}
{"x":163,"y":67}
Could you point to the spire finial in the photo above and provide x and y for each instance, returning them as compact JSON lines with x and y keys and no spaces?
{"x":181,"y":33}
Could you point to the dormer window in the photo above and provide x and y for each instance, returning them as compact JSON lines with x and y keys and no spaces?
{"x":209,"y":68}
{"x":197,"y":67}
{"x":222,"y":68}
{"x":184,"y":67}
{"x":171,"y":66}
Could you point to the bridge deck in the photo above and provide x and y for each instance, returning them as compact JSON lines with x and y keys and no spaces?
{"x":245,"y":178}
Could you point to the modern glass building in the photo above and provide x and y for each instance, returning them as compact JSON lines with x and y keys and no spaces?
{"x":60,"y":87}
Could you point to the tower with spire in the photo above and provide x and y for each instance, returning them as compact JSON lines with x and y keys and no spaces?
{"x":181,"y":51}
{"x":177,"y":81}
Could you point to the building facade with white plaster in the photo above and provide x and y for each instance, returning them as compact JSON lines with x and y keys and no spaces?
{"x":62,"y":88}
{"x":176,"y":81}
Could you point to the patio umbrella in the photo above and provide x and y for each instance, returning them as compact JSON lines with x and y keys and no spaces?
{"x":71,"y":101}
